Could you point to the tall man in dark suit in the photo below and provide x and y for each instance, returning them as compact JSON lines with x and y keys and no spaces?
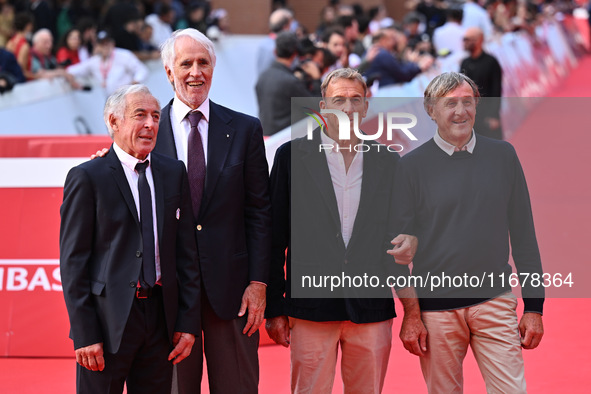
{"x":228,"y":174}
{"x":127,"y":256}
{"x":321,"y":187}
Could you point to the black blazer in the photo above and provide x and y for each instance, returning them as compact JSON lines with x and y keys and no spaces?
{"x":306,"y":221}
{"x":101,"y":244}
{"x":234,"y":226}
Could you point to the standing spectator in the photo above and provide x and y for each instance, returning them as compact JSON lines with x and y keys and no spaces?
{"x":387,"y":67}
{"x":355,"y":47}
{"x":334,"y":40}
{"x":277,"y":85}
{"x":68,"y":53}
{"x":485,"y":71}
{"x":161,"y":24}
{"x":229,"y":177}
{"x":476,"y":16}
{"x":447,"y":39}
{"x":110,"y":67}
{"x":280,"y":20}
{"x":465,"y":197}
{"x":18,"y":44}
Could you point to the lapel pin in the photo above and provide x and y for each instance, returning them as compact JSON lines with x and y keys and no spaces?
{"x":227,"y":135}
{"x":178,"y":213}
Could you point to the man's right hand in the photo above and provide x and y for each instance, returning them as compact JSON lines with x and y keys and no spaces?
{"x":91,"y":357}
{"x":99,"y":153}
{"x":278,"y":330}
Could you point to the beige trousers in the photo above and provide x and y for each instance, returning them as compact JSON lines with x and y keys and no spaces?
{"x":314,"y":348}
{"x":491,"y":330}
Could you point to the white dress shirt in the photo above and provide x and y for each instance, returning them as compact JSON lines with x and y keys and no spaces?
{"x":121,"y":68}
{"x":346,"y":184}
{"x":128,"y":163}
{"x":181,"y":127}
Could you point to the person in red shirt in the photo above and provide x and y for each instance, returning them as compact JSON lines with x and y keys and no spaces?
{"x":67,"y":54}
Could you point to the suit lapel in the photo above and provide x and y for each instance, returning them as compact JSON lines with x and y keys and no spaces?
{"x":159,"y":193}
{"x":121,"y":181}
{"x":220,"y":136}
{"x":317,"y":169}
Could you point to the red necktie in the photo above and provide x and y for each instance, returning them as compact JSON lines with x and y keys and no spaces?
{"x":196,"y":162}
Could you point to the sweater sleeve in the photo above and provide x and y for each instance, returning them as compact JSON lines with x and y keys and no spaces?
{"x":523,"y":241}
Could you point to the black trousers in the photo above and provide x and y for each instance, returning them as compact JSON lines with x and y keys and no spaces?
{"x":142,"y":359}
{"x":232,"y":357}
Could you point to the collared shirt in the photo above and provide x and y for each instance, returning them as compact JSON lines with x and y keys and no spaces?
{"x":181,"y":127}
{"x":128,"y":163}
{"x":450,"y":149}
{"x":346,"y":184}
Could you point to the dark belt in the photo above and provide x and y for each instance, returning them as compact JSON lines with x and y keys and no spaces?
{"x":148,"y":292}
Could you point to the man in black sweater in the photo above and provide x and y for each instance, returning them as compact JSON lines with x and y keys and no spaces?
{"x":485,"y":71}
{"x":462,"y":195}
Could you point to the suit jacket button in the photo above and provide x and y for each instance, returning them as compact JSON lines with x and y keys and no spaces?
{"x":138,"y":254}
{"x":132,"y":284}
{"x":199,"y":227}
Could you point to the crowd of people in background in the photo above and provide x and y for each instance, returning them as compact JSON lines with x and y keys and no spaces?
{"x":46,"y":37}
{"x":388,"y":51}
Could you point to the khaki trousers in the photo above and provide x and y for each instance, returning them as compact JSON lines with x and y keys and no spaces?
{"x":490,"y":329}
{"x":314,"y":348}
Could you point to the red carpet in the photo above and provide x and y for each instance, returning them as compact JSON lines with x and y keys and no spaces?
{"x":552,"y":145}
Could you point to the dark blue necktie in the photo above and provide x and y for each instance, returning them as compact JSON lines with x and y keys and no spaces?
{"x":195,"y":163}
{"x":147,"y":224}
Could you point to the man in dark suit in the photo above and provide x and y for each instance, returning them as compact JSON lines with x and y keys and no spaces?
{"x":127,"y":256}
{"x":321,"y":187}
{"x":228,"y":175}
{"x":278,"y":84}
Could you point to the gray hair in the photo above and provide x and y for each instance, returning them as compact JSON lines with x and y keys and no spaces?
{"x":39,"y":33}
{"x":167,"y":48}
{"x":343,"y":73}
{"x":116,"y":103}
{"x":444,"y":83}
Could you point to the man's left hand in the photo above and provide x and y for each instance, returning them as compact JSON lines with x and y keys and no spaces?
{"x":531,"y":329}
{"x":254,"y":299}
{"x":183,"y":343}
{"x":405,"y":247}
